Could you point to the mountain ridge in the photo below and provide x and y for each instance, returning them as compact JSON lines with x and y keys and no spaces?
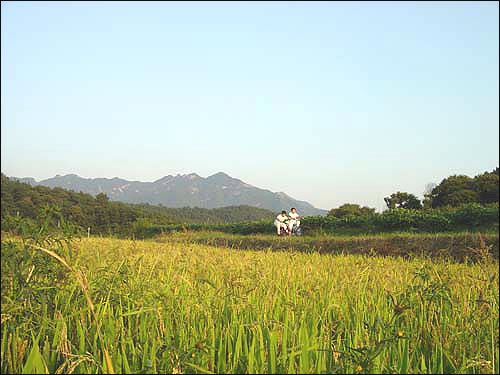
{"x":181,"y":190}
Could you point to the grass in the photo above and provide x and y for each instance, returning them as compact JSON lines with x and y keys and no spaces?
{"x":457,"y":245}
{"x":182,"y":307}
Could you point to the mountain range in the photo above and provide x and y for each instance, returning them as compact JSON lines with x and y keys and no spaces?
{"x":182,"y":190}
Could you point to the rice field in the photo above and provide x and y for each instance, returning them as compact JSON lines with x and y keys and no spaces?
{"x":121,"y":306}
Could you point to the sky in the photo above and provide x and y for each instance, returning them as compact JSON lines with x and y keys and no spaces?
{"x":330,"y":102}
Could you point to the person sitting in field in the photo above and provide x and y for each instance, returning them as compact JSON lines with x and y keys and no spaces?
{"x":294,"y":219}
{"x":280,"y":222}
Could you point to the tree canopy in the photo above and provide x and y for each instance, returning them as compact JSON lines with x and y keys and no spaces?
{"x":457,"y":190}
{"x":350,"y":209}
{"x":403,"y":200}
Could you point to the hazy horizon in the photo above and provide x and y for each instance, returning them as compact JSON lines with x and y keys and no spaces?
{"x":330,"y":103}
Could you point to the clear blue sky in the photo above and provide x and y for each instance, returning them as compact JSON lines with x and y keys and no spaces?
{"x":329,"y":102}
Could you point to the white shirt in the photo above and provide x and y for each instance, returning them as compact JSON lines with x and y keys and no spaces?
{"x":294,"y":216}
{"x":281,"y":218}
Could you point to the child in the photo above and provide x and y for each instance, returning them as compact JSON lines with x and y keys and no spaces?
{"x":294,"y":219}
{"x":279,"y":222}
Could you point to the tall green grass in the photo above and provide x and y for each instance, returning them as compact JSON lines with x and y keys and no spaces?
{"x":188,"y":308}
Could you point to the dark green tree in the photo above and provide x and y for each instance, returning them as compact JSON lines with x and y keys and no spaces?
{"x":351,"y":209}
{"x":486,"y":185}
{"x":403,"y":200}
{"x":454,"y":191}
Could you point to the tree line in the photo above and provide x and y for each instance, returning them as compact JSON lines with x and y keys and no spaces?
{"x":453,"y":191}
{"x":468,"y":217}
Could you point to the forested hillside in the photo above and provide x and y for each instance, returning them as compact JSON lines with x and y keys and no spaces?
{"x":187,"y":190}
{"x":105,"y":216}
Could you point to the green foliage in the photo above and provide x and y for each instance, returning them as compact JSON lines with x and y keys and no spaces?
{"x":350,"y":209}
{"x":196,"y":215}
{"x":104,"y":217}
{"x":472,"y":215}
{"x":467,"y":217}
{"x":486,"y":185}
{"x":403,"y":200}
{"x":391,"y":220}
{"x":29,"y":274}
{"x":453,"y":191}
{"x":458,"y":190}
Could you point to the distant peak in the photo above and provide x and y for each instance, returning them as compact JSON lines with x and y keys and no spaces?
{"x":221,"y":174}
{"x":191,"y":176}
{"x":165,"y":178}
{"x":66,"y":175}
